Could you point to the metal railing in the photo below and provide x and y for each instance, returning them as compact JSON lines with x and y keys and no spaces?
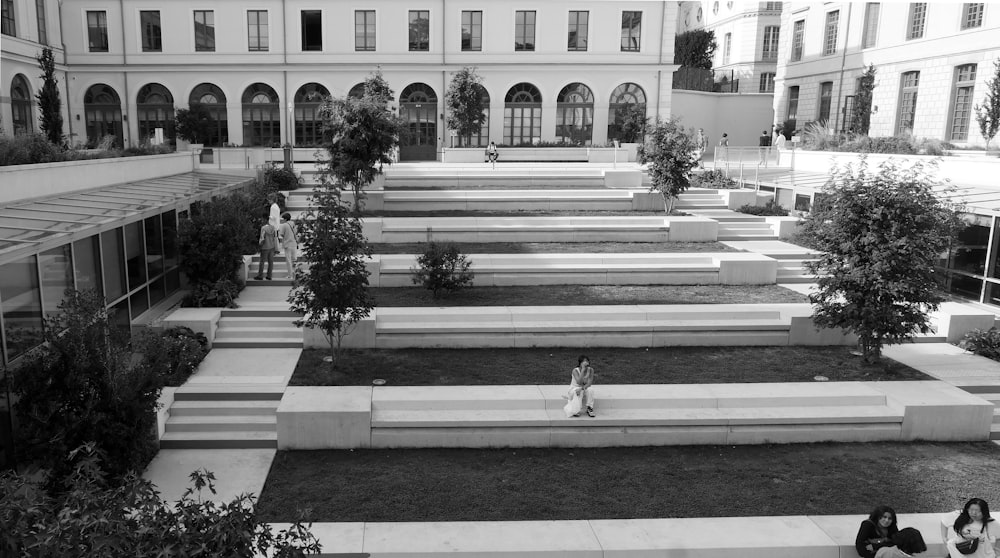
{"x":747,"y":163}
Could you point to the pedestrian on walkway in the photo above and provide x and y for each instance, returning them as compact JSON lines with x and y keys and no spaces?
{"x":764,"y":146}
{"x":724,"y":147}
{"x":701,"y":141}
{"x":268,"y":243}
{"x":289,"y":242}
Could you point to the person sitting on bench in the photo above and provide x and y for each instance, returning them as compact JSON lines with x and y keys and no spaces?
{"x":491,"y":153}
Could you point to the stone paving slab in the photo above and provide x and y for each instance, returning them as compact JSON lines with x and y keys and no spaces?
{"x":236,"y":471}
{"x":244,"y":362}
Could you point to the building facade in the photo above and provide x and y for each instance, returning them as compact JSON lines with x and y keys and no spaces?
{"x":932,"y":61}
{"x":556,"y":71}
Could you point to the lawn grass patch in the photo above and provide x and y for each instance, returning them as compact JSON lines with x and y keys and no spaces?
{"x":617,"y":483}
{"x":576,"y":295}
{"x":561,"y":247}
{"x":614,"y":365}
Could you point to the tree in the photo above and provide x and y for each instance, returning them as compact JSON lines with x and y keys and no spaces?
{"x":988,"y":114}
{"x":634,"y":123}
{"x":861,"y":114}
{"x":881,"y":233}
{"x":81,"y":385}
{"x":128,"y":519}
{"x":695,"y":49}
{"x":466,"y":104}
{"x":360,"y":136}
{"x":333,"y":292}
{"x":669,"y":151}
{"x":194,"y":124}
{"x":442,"y":268}
{"x":49,"y":104}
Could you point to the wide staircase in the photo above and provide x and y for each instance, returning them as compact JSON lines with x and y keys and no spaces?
{"x":225,"y":413}
{"x":259,"y":325}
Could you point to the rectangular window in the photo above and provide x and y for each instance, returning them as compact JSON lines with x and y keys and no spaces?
{"x":97,"y":31}
{"x":871,"y":24}
{"x":770,"y":51}
{"x":965,"y":83}
{"x":312,"y":30}
{"x":793,"y":103}
{"x":420,"y":30}
{"x":631,"y":31}
{"x":7,"y":26}
{"x":472,"y":31}
{"x":22,"y":305}
{"x":204,"y":31}
{"x":152,"y":36}
{"x":727,"y":48}
{"x":43,"y":25}
{"x":524,"y":30}
{"x":798,"y":32}
{"x":578,"y":30}
{"x":830,"y":33}
{"x":772,"y":6}
{"x":825,"y":99}
{"x":113,"y":256}
{"x":87,"y":264}
{"x":907,"y":102}
{"x":972,"y":15}
{"x":917,"y":18}
{"x":767,"y":82}
{"x":258,"y":36}
{"x":364,"y":30}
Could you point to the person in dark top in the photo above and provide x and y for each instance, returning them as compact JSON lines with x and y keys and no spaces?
{"x":876,"y":531}
{"x":764,"y":146}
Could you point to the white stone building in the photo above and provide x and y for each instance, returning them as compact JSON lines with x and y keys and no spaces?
{"x":554,"y":71}
{"x":932,"y":61}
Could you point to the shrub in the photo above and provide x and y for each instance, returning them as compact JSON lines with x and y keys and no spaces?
{"x":819,"y":137}
{"x":442,"y":268}
{"x":714,"y":178}
{"x":276,"y":177}
{"x":218,"y":294}
{"x":27,"y":149}
{"x":173,"y":354}
{"x":771,"y":209}
{"x":983,"y":343}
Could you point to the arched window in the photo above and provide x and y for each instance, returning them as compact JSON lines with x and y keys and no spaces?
{"x":418,"y":110}
{"x":357,"y":92}
{"x":418,"y":93}
{"x":522,"y":115}
{"x":575,"y":115}
{"x":308,"y":125}
{"x":20,"y":105}
{"x":155,"y":107}
{"x":103,"y":109}
{"x":625,"y":99}
{"x":261,"y":116}
{"x":213,"y":100}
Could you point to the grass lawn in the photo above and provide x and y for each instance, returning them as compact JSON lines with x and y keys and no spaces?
{"x":561,"y":247}
{"x":618,"y":483}
{"x":575,"y":295}
{"x":613,"y":365}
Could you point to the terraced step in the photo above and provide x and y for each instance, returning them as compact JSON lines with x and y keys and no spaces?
{"x":229,"y":392}
{"x":222,"y":423}
{"x":219,"y":440}
{"x":196,"y":408}
{"x":260,"y":310}
{"x":276,"y":282}
{"x":230,"y":332}
{"x":995,"y":431}
{"x":256,"y":344}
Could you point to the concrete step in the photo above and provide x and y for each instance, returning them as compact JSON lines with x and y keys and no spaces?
{"x":736,"y":237}
{"x":223,"y":408}
{"x":995,"y":432}
{"x":256,"y":321}
{"x":260,"y":310}
{"x":796,"y":279}
{"x":230,"y":332}
{"x":256,"y":344}
{"x":229,"y":392}
{"x":222,"y":423}
{"x":219,"y":440}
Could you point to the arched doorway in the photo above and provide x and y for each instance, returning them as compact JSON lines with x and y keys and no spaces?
{"x":522,"y":115}
{"x":575,"y":115}
{"x":261,"y":116}
{"x":308,"y":126}
{"x":625,"y":97}
{"x":103,"y":110}
{"x":155,"y":109}
{"x":20,"y":106}
{"x":213,"y":100}
{"x":418,"y":109}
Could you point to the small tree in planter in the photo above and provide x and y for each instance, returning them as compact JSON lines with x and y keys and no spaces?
{"x":466,"y":104}
{"x":881,"y":234}
{"x":634,"y":123}
{"x":194,"y":124}
{"x":861,"y":116}
{"x":988,"y":114}
{"x":333,"y":292}
{"x":442,"y":268}
{"x":49,"y":105}
{"x":670,"y":153}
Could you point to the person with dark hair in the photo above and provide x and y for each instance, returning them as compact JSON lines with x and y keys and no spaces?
{"x":582,"y":382}
{"x":906,"y":543}
{"x":288,"y":241}
{"x":876,"y":531}
{"x":974,"y":523}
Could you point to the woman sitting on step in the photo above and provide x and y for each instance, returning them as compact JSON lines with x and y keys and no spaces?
{"x":876,"y":531}
{"x":581,"y":384}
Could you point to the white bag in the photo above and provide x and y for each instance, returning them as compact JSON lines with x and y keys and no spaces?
{"x":575,"y":402}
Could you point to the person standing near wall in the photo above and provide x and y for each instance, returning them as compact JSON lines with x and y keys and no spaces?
{"x":764,"y":146}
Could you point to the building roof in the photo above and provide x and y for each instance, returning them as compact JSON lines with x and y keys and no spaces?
{"x":37,"y":225}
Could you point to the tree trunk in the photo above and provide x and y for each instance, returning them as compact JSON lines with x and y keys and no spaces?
{"x":668,"y":203}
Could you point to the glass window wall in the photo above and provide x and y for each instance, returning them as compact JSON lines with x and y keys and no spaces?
{"x":114,"y":266}
{"x":22,"y":306}
{"x":56,"y":270}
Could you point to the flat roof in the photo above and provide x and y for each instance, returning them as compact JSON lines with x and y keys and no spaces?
{"x":37,"y":225}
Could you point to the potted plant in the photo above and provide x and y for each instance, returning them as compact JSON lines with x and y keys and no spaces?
{"x":194,"y":125}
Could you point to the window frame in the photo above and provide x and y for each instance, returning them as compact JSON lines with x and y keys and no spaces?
{"x":42,"y":19}
{"x":364,"y":45}
{"x":475,"y":39}
{"x":574,"y":27}
{"x":772,"y":34}
{"x":427,"y":39}
{"x":521,"y":30}
{"x":912,"y":20}
{"x":967,"y":12}
{"x":958,"y":85}
{"x":902,"y":113}
{"x":209,"y":39}
{"x":629,"y":38}
{"x":831,"y":31}
{"x":308,"y":43}
{"x":144,"y":39}
{"x":101,"y":30}
{"x":793,"y":101}
{"x":263,"y":40}
{"x":727,"y":48}
{"x":869,"y":33}
{"x":766,"y":84}
{"x":825,"y":103}
{"x":798,"y":40}
{"x":8,"y":17}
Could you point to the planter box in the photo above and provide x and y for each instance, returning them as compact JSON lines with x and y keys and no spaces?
{"x":55,"y":179}
{"x":537,"y":154}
